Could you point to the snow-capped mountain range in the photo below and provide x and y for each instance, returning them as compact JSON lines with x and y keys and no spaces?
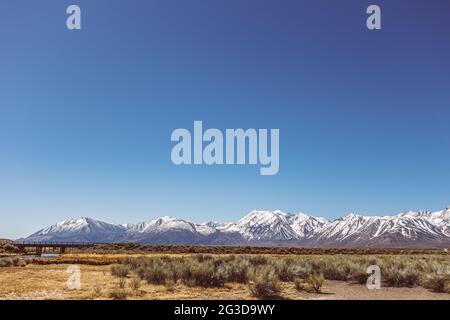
{"x":407,"y":229}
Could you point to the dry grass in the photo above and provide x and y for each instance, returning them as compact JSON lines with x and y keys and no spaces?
{"x":49,"y":282}
{"x":188,"y":276}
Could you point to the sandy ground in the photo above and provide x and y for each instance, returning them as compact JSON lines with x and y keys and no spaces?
{"x":50,"y":282}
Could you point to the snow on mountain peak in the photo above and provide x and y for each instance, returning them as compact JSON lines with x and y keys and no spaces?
{"x":410,"y":227}
{"x":306,"y":226}
{"x":439,"y":218}
{"x":264,"y":225}
{"x":207,"y":228}
{"x":80,"y":225}
{"x":162,"y":224}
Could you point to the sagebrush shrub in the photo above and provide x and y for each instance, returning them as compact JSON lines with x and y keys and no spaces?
{"x":258,"y":260}
{"x":264,"y":283}
{"x":284,"y":270}
{"x":122,"y":282}
{"x":119,"y":294}
{"x":358,"y":273}
{"x":204,"y":257}
{"x":155,"y":274}
{"x":97,"y":290}
{"x":120,"y":270}
{"x":438,"y":283}
{"x":10,"y":248}
{"x":236,"y":270}
{"x":395,"y":276}
{"x":135,"y":283}
{"x":12,"y":262}
{"x":6,"y":262}
{"x":204,"y":274}
{"x":316,"y":280}
{"x":207,"y":270}
{"x":302,"y":286}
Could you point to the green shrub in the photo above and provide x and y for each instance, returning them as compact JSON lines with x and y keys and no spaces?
{"x":120,"y":270}
{"x":207,"y":270}
{"x":236,"y":271}
{"x":359,"y":274}
{"x":6,"y":262}
{"x":204,"y":274}
{"x":12,"y":262}
{"x":18,"y":262}
{"x":394,"y":276}
{"x":264,"y":283}
{"x":284,"y":270}
{"x":316,"y":280}
{"x":302,"y":271}
{"x":155,"y":274}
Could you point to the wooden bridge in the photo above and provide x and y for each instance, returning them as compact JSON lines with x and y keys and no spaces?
{"x":40,"y":247}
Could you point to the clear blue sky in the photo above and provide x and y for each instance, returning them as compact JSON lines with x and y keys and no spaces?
{"x":86,"y":116}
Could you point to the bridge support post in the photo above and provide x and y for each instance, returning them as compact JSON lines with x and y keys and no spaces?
{"x":39,"y":251}
{"x":62,"y":250}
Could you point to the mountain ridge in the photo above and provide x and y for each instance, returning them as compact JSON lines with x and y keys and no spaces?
{"x":409,"y":228}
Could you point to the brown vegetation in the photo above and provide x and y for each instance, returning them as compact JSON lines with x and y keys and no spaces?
{"x":8,"y":247}
{"x":132,"y":248}
{"x":264,"y":273}
{"x":49,"y":282}
{"x":12,"y":262}
{"x":141,"y":272}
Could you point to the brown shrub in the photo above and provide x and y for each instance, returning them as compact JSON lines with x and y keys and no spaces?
{"x":438,"y":283}
{"x":119,"y":294}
